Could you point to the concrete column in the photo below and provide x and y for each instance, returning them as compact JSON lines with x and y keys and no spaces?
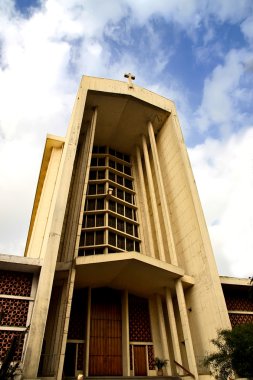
{"x":60,"y":322}
{"x":153,"y":201}
{"x":70,"y":292}
{"x":125,"y":335}
{"x":163,"y":334}
{"x":51,"y":240}
{"x":162,"y":196}
{"x":30,"y":307}
{"x":186,"y":329}
{"x":87,"y":341}
{"x":77,"y":202}
{"x":173,"y":328}
{"x":148,"y":235}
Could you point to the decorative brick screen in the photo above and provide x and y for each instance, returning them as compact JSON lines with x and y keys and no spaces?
{"x":6,"y":338}
{"x":139,"y":322}
{"x":151,"y":357}
{"x":238,"y":319}
{"x":15,"y":283}
{"x":14,"y":312}
{"x":239,"y":301}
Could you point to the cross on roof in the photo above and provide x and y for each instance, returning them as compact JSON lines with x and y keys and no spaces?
{"x":130,"y":77}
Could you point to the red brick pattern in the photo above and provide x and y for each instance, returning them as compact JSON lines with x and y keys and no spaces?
{"x":139,"y":322}
{"x":14,"y":312}
{"x":151,"y":357}
{"x":6,"y":338}
{"x":15,"y":283}
{"x":239,"y":303}
{"x":238,"y":319}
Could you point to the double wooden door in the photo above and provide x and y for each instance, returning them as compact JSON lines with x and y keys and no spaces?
{"x":105,"y":356}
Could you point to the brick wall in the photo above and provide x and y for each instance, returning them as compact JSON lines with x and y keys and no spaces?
{"x":239,"y":303}
{"x":15,"y":297}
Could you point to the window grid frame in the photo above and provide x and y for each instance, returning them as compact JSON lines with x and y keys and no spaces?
{"x":123,"y":238}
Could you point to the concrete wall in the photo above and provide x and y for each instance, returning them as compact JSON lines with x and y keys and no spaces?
{"x":193,"y":246}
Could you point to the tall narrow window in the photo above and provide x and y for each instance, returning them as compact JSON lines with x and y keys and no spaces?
{"x":109,"y":220}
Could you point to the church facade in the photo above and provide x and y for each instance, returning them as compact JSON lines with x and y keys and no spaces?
{"x":118,"y":266}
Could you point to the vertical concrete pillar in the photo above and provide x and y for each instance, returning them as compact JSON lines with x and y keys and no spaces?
{"x":153,"y":201}
{"x":58,"y":333}
{"x":125,"y":335}
{"x":163,"y":334}
{"x":141,"y":219}
{"x":162,"y":196}
{"x":52,"y":238}
{"x":80,"y":190}
{"x":87,"y":341}
{"x":147,"y":221}
{"x":73,"y":235}
{"x":173,"y":328}
{"x":70,"y":292}
{"x":186,"y":329}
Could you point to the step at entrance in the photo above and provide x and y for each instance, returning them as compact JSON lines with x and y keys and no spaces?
{"x":132,"y":378}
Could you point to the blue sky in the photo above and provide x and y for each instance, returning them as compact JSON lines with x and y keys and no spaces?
{"x":197,"y":53}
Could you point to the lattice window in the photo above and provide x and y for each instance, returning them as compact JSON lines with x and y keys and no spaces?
{"x":239,"y":319}
{"x":139,"y":321}
{"x":14,"y":312}
{"x":15,"y":283}
{"x":6,"y":338}
{"x":151,"y":357}
{"x":239,"y":301}
{"x":110,"y":192}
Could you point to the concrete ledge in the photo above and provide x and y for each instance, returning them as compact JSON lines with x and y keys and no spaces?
{"x":19,"y":263}
{"x":142,"y":275}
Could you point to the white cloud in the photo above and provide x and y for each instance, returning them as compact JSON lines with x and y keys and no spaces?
{"x":247,"y":28}
{"x":19,"y":168}
{"x":229,"y":10}
{"x":224,"y":174}
{"x":223,"y":94}
{"x":43,"y":56}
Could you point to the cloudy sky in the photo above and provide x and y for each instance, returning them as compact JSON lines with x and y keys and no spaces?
{"x":195,"y":52}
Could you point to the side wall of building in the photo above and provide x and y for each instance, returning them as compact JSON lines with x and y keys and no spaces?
{"x":193,"y":246}
{"x":41,"y":224}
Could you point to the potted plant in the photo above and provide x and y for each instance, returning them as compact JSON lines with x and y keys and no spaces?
{"x":160,"y":364}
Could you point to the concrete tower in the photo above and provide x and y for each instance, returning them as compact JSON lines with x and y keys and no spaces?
{"x":127,"y":271}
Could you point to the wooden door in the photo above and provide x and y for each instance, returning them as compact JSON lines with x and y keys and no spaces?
{"x":105,"y":333}
{"x":140,"y":361}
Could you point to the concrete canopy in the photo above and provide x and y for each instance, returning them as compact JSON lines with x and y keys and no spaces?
{"x":122,"y":119}
{"x":139,"y":274}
